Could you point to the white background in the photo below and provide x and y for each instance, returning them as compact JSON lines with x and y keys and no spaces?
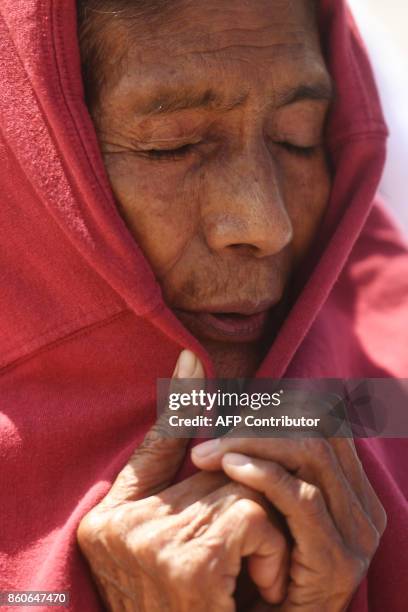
{"x":384,"y":27}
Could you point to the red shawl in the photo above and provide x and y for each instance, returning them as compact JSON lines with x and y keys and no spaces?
{"x":84,"y":332}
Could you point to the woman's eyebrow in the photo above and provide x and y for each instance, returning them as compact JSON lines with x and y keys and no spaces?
{"x":320,"y":90}
{"x":173,"y":100}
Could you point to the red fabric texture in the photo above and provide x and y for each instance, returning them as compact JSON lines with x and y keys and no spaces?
{"x":84,"y":332}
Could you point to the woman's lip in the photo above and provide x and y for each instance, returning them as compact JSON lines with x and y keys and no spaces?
{"x":235,"y":324}
{"x":240,"y":308}
{"x":228,"y":325}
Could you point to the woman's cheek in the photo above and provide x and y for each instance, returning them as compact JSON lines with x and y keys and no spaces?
{"x":158,"y":207}
{"x":306,"y":192}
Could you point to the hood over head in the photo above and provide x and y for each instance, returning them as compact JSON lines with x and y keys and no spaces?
{"x":84,"y":331}
{"x":60,"y":208}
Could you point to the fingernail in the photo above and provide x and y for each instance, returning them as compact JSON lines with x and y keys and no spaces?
{"x":235,"y":459}
{"x":186,"y":365}
{"x":206,"y":448}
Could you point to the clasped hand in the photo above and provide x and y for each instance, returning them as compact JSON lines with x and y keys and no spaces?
{"x":302,"y":512}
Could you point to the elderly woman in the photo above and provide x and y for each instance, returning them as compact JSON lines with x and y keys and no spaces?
{"x":204,"y":197}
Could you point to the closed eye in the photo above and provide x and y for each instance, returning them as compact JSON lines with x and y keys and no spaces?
{"x":297,"y":150}
{"x":169,"y":154}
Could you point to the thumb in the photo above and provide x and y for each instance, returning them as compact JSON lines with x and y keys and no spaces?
{"x":156,"y":461}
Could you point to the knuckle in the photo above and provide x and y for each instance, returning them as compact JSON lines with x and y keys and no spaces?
{"x":278,"y":476}
{"x":311,"y":500}
{"x":113,"y":530}
{"x":91,"y":527}
{"x":114,"y":524}
{"x":319,"y":450}
{"x":251,"y":513}
{"x":249,"y":509}
{"x":152,"y":437}
{"x":113,"y":537}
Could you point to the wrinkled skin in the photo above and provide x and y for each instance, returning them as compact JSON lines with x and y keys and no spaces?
{"x":224,"y":196}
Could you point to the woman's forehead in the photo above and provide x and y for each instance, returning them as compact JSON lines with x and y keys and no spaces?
{"x":207,"y":38}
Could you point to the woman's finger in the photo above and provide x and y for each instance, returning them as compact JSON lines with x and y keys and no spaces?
{"x":153,"y":465}
{"x":246,"y":531}
{"x":311,"y":460}
{"x":184,"y":494}
{"x":301,"y":504}
{"x":321,"y":558}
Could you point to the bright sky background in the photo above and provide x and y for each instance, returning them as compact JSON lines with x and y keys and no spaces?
{"x":384,"y":26}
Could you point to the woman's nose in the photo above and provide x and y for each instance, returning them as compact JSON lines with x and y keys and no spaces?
{"x":245,"y":211}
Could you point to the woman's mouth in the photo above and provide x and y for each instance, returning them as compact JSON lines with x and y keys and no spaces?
{"x":226,"y":326}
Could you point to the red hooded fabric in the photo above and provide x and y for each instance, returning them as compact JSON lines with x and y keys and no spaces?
{"x":84,"y":332}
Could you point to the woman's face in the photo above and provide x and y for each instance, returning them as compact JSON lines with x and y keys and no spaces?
{"x":212,"y":136}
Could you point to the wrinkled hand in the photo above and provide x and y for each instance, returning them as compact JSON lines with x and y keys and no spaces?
{"x":154,"y":547}
{"x":331,"y":509}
